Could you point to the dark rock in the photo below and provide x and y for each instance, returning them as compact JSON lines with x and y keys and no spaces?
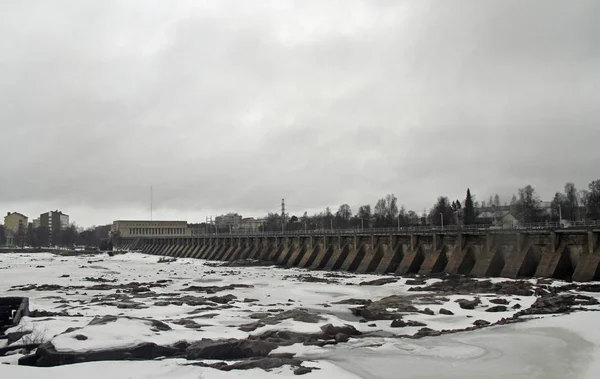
{"x":355,"y":302}
{"x":131,"y":305}
{"x":372,"y":325}
{"x":247,"y":300}
{"x":15,"y":336}
{"x":589,"y":288}
{"x":80,"y":337}
{"x":194,"y":301}
{"x":167,"y":303}
{"x":331,"y":330}
{"x":275,"y":310}
{"x":215,"y":289}
{"x":428,"y":311}
{"x":266,"y":363}
{"x":499,"y":301}
{"x":103,"y":320}
{"x":516,"y":306}
{"x":378,"y":310}
{"x":558,"y":304}
{"x":468,"y":304}
{"x":46,"y":354}
{"x":415,"y":282}
{"x":444,"y":311}
{"x":481,"y":323}
{"x":65,"y":276}
{"x":70,"y":330}
{"x":251,"y":327}
{"x":154,"y":324}
{"x":497,"y":308}
{"x":427,"y":332}
{"x":379,"y":282}
{"x":229,"y":349}
{"x":222,"y":299}
{"x":302,"y":370}
{"x":286,"y":338}
{"x":140,"y":289}
{"x":190,"y":324}
{"x":463,"y":285}
{"x":399,"y":323}
{"x":342,"y":337}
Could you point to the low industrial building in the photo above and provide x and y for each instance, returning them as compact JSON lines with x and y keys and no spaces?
{"x":139,"y":228}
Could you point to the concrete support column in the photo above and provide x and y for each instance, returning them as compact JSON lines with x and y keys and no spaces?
{"x":488,"y":243}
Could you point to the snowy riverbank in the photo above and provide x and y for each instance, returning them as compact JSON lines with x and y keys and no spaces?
{"x":197,"y":299}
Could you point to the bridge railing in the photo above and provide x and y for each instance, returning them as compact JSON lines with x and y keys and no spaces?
{"x":406,"y":229}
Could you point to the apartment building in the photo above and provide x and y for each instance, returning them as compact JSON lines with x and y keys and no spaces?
{"x":15,"y":227}
{"x":54,"y":222}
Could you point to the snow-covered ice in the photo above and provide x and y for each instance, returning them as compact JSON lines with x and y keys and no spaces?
{"x":563,"y":346}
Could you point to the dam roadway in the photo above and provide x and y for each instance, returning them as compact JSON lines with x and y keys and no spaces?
{"x":535,"y":250}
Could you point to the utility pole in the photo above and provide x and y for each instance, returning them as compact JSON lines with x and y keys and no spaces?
{"x":398,"y":222}
{"x":282,"y":215}
{"x":442,"y":216}
{"x":362,"y":224}
{"x":559,"y":215}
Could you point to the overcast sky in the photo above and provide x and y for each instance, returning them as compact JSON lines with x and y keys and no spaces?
{"x":232,"y":105}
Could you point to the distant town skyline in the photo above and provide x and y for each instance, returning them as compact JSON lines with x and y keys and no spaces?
{"x":87,"y":216}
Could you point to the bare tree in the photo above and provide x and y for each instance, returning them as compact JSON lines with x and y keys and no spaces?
{"x":365,"y":215}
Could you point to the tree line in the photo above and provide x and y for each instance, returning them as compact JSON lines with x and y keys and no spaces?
{"x":525,"y":206}
{"x":67,"y":237}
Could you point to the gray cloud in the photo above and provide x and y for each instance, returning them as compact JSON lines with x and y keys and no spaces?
{"x":232,"y":105}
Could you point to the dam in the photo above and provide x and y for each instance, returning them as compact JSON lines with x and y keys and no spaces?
{"x":560,"y":253}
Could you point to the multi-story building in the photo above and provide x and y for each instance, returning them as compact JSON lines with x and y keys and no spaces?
{"x":15,"y":227}
{"x":251,"y":224}
{"x":229,"y":220}
{"x":133,"y":228}
{"x":54,"y":222}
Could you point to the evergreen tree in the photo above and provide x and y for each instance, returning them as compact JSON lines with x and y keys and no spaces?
{"x":469,"y":209}
{"x":497,"y":200}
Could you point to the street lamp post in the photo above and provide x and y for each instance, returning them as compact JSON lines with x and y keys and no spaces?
{"x":398,"y":222}
{"x":442,"y":217}
{"x":362,"y":224}
{"x":559,"y":215}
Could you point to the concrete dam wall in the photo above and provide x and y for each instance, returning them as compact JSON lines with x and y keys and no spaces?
{"x":561,"y":254}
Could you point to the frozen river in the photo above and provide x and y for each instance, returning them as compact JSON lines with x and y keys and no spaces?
{"x":564,"y":346}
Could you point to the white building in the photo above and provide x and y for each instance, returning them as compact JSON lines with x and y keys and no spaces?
{"x":140,"y":228}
